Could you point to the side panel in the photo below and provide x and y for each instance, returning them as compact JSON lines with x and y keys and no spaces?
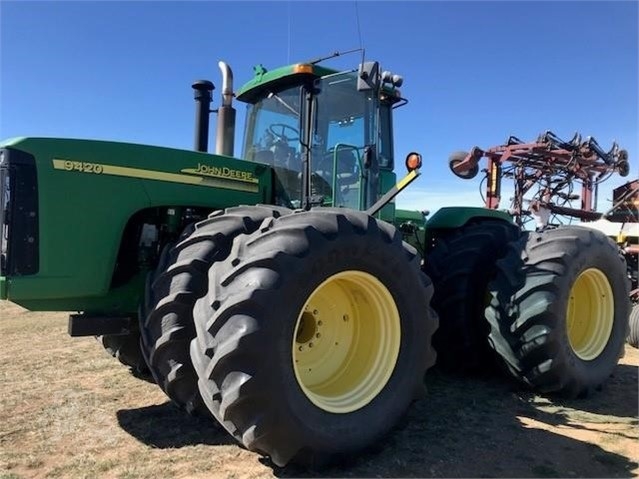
{"x":412,"y":225}
{"x":88,"y":190}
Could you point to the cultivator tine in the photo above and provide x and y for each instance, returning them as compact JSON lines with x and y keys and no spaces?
{"x":594,"y":146}
{"x":576,"y":140}
{"x":551,"y":138}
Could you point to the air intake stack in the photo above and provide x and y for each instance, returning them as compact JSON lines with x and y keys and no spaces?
{"x":202,"y":90}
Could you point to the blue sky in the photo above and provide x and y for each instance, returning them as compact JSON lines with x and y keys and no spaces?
{"x":475,"y":72}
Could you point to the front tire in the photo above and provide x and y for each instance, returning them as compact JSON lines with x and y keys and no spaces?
{"x":559,"y":310}
{"x":314,"y":336}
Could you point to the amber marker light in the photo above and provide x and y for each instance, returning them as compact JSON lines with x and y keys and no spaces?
{"x":303,"y":68}
{"x":413,"y":161}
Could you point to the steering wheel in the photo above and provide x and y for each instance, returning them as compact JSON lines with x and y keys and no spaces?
{"x":283,"y":127}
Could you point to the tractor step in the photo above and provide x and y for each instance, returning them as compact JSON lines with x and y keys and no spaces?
{"x":86,"y":325}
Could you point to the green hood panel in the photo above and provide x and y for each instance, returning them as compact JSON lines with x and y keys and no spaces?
{"x":87,"y":192}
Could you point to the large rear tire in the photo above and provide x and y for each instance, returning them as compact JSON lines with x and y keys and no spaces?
{"x":315,"y":335}
{"x":559,"y":310}
{"x":178,"y":281}
{"x":461,"y":264}
{"x":633,"y":330}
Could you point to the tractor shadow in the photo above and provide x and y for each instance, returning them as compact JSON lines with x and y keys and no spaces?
{"x":165,"y":426}
{"x":465,"y":427}
{"x":622,"y":386}
{"x":489,"y":427}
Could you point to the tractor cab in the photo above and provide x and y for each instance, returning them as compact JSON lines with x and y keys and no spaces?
{"x":327,"y":134}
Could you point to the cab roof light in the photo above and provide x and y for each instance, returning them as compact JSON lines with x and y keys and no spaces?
{"x":303,"y":68}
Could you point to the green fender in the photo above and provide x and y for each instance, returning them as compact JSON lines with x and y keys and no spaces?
{"x":452,"y":217}
{"x":419,"y":233}
{"x":457,"y":216}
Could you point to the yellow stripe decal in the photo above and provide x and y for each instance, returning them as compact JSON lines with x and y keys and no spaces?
{"x":407,"y":179}
{"x":102,"y":169}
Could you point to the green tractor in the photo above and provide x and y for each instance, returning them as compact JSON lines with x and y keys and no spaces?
{"x":281,"y":293}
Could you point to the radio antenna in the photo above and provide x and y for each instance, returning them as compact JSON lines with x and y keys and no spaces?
{"x":288,"y":49}
{"x":359,"y":30}
{"x":332,"y":55}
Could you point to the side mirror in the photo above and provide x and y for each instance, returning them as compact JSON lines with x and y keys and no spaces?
{"x":413,"y":161}
{"x":368,"y":76}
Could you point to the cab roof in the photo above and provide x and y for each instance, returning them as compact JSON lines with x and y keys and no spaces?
{"x":281,"y":77}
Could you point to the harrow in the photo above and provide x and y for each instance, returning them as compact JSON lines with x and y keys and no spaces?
{"x":544,"y":173}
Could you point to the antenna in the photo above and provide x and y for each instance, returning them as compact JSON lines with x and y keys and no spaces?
{"x":333,"y":55}
{"x":359,"y":31}
{"x":288,"y":46}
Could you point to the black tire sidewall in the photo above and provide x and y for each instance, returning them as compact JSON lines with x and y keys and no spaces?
{"x":607,"y":261}
{"x":342,"y":432}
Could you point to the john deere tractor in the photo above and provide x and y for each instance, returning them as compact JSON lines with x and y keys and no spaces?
{"x":281,"y":292}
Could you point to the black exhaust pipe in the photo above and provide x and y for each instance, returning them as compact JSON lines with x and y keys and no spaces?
{"x":202,"y":91}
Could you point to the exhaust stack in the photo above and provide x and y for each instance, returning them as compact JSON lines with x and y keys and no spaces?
{"x":225,"y":134}
{"x":202,"y":90}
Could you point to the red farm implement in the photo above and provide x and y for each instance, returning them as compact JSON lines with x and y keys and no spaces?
{"x":545,"y":174}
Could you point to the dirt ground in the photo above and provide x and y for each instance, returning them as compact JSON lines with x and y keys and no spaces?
{"x":67,"y":409}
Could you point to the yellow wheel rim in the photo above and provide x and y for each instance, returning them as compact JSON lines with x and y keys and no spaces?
{"x":591,"y":309}
{"x":346,"y":342}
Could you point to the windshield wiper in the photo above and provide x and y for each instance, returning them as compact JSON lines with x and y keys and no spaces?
{"x":283,"y":103}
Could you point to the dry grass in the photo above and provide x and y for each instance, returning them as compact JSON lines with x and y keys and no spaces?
{"x":67,"y":409}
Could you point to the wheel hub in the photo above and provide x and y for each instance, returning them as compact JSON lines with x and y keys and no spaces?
{"x":346,"y":342}
{"x":590,"y":314}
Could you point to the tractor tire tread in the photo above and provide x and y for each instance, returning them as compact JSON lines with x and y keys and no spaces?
{"x":527,"y":310}
{"x":172,"y":289}
{"x":461,"y":263}
{"x":233,"y":351}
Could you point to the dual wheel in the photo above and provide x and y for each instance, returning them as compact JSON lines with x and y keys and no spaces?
{"x":461,"y":262}
{"x":309,"y":332}
{"x":181,"y":277}
{"x":551,"y":307}
{"x":559,"y":308}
